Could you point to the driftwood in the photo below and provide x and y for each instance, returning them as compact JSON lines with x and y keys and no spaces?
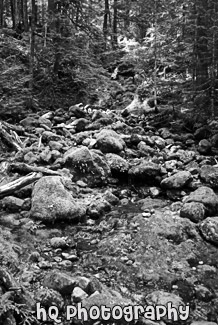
{"x":25,"y":168}
{"x":13,"y":186}
{"x":12,"y":140}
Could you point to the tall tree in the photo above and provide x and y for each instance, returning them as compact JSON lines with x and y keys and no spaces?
{"x":32,"y":44}
{"x":105,"y":22}
{"x":115,"y":17}
{"x":1,"y":13}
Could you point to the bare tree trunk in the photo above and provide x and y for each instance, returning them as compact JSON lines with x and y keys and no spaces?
{"x":105,"y":23}
{"x":43,"y":12}
{"x":155,"y":57}
{"x":114,"y":36}
{"x":126,"y":16}
{"x":13,"y":14}
{"x":1,"y":13}
{"x":25,"y":16}
{"x":32,"y":45}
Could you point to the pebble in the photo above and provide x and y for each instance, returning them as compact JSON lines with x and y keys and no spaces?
{"x":146,"y":214}
{"x":70,"y":257}
{"x":78,"y":295}
{"x":66,"y":263}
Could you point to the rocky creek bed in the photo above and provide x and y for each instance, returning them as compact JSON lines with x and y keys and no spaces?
{"x":106,"y":210}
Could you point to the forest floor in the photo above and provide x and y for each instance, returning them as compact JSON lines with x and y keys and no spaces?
{"x":120,"y":213}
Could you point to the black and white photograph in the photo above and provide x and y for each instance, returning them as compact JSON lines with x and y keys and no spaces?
{"x":108,"y":162}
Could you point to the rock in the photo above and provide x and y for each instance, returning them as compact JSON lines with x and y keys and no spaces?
{"x":76,"y":111}
{"x":160,"y":142}
{"x":49,"y":297}
{"x":60,"y":282}
{"x":165,"y":133}
{"x":202,"y":133}
{"x":87,"y":165}
{"x":144,"y":171}
{"x":12,"y":204}
{"x":145,"y":150}
{"x":30,"y":158}
{"x":45,"y":155}
{"x":209,"y":229}
{"x":34,"y":257}
{"x":109,"y":141}
{"x":209,"y":175}
{"x":6,"y":279}
{"x":58,"y":242}
{"x":55,"y":145}
{"x":203,"y":293}
{"x":194,"y":211}
{"x":98,"y":208}
{"x":78,"y":295}
{"x":44,"y":121}
{"x":29,"y":122}
{"x":51,"y":201}
{"x":83,"y":283}
{"x":214,"y":141}
{"x":204,"y":147}
{"x":50,"y":136}
{"x":80,"y":124}
{"x":150,"y":203}
{"x":111,"y":198}
{"x":206,"y":196}
{"x":177,"y":181}
{"x":119,"y":166}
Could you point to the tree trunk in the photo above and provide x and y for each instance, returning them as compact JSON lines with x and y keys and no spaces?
{"x":25,"y":16}
{"x":126,"y":15}
{"x":32,"y":44}
{"x":202,"y":46}
{"x":13,"y":14}
{"x":114,"y":43}
{"x":1,"y":13}
{"x":105,"y":23}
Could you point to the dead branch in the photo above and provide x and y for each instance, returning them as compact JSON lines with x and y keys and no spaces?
{"x":11,"y":187}
{"x":10,"y":140}
{"x":25,"y":168}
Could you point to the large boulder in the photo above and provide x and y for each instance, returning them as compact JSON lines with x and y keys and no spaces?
{"x":118,"y":165}
{"x":146,"y":170}
{"x":109,"y":141}
{"x":209,"y":175}
{"x":177,"y":180}
{"x":52,"y":201}
{"x":204,"y":147}
{"x":209,"y":229}
{"x":59,"y":281}
{"x":87,"y":165}
{"x":194,"y":211}
{"x":206,"y":196}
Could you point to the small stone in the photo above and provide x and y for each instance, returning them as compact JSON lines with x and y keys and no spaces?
{"x":146,"y":214}
{"x":58,"y":242}
{"x":34,"y":257}
{"x":66,"y":264}
{"x":70,"y":257}
{"x":78,"y":295}
{"x":45,"y":265}
{"x":81,"y":184}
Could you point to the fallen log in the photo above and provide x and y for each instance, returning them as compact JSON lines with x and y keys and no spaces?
{"x":19,"y":183}
{"x":25,"y":168}
{"x":10,"y":140}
